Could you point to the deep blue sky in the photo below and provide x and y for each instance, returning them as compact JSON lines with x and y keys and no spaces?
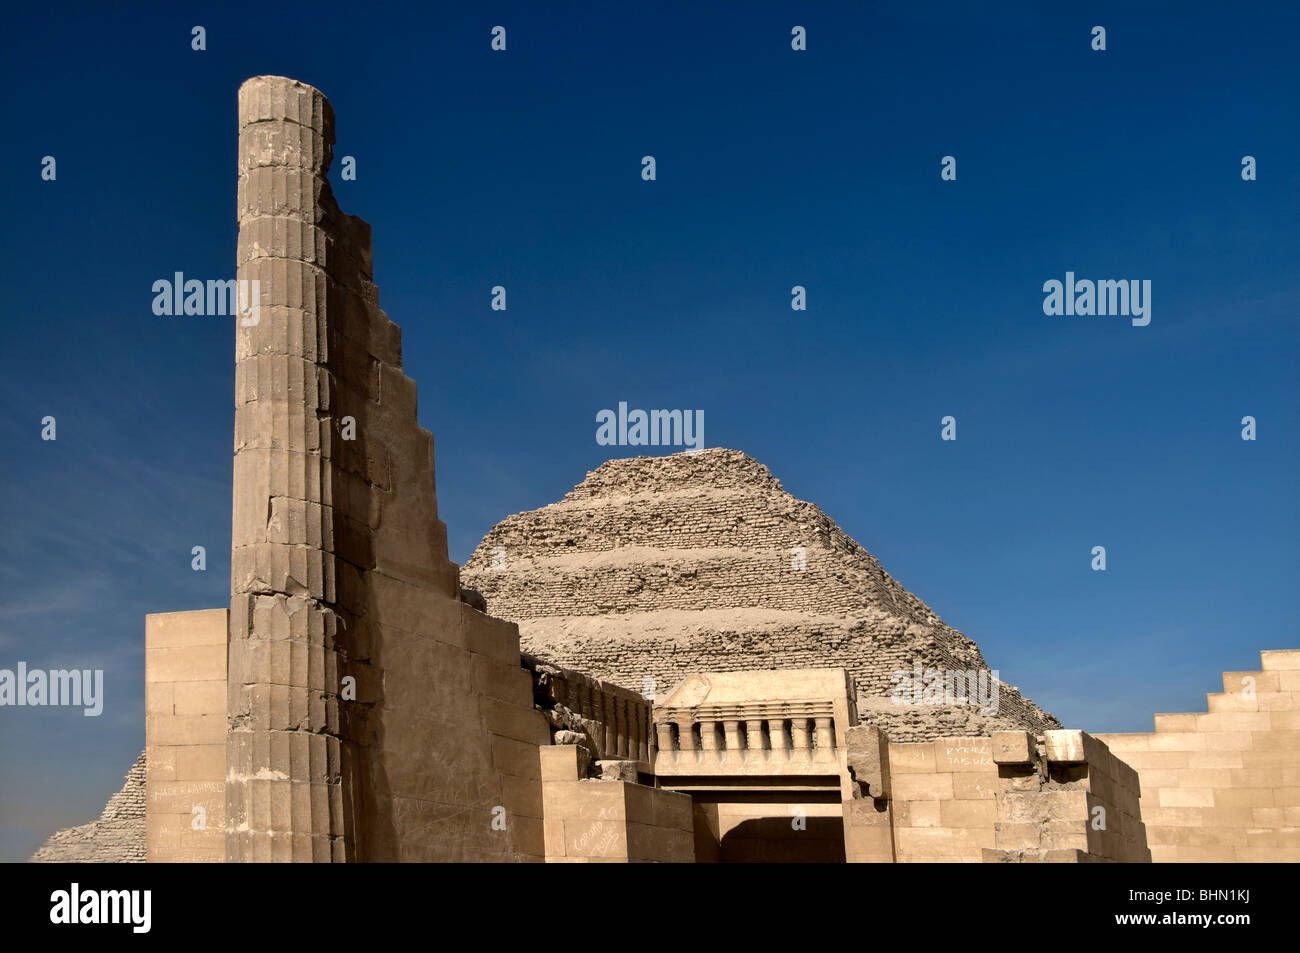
{"x":775,"y":168}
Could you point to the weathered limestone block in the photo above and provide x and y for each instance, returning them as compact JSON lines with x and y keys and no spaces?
{"x":618,"y":770}
{"x":868,"y":757}
{"x":1066,"y":800}
{"x":610,"y":821}
{"x":1065,"y":746}
{"x":185,"y":735}
{"x":1013,"y":747}
{"x":868,"y":831}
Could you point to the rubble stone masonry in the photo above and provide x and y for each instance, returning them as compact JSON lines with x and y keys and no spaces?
{"x":657,"y":567}
{"x":118,"y":837}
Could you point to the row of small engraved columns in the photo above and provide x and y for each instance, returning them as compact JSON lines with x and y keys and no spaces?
{"x":625,"y":720}
{"x":679,"y":734}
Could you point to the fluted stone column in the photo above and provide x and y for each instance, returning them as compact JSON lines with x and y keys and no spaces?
{"x":285,"y":797}
{"x":610,"y":740}
{"x":686,"y":733}
{"x":731,"y":735}
{"x":664,"y":733}
{"x":339,"y":565}
{"x":825,"y":738}
{"x":621,"y":725}
{"x":799,"y":733}
{"x":642,"y":714}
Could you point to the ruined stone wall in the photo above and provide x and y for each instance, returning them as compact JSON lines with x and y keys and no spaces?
{"x":1064,"y":797}
{"x":117,"y":837}
{"x":611,"y":722}
{"x":1223,"y":785}
{"x":340,"y":577}
{"x":656,"y":567}
{"x":1017,"y":797}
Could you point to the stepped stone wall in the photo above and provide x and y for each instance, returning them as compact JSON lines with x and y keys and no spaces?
{"x":1223,"y":785}
{"x":118,"y":837}
{"x":656,"y":567}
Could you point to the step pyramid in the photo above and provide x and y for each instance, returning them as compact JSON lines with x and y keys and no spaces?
{"x":654,"y":568}
{"x":118,"y":837}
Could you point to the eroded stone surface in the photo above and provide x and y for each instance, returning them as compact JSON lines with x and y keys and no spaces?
{"x":117,"y":837}
{"x":656,"y":567}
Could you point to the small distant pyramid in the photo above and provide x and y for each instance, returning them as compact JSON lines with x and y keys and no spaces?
{"x":654,"y":568}
{"x":118,"y":837}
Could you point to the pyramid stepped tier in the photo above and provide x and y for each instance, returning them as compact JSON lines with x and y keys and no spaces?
{"x":657,"y":567}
